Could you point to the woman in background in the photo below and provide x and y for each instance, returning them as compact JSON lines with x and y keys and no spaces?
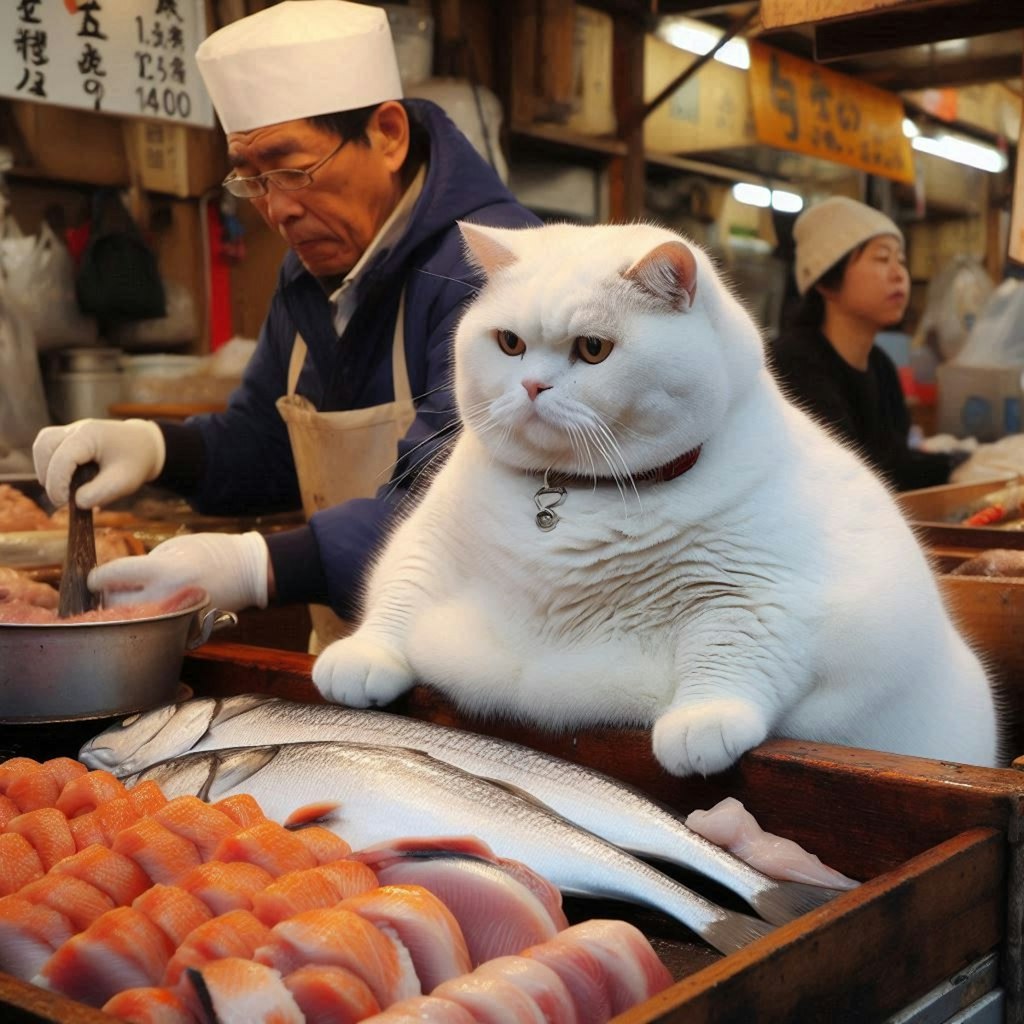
{"x":851,"y":273}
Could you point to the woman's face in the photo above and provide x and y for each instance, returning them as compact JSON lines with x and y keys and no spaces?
{"x":876,"y":285}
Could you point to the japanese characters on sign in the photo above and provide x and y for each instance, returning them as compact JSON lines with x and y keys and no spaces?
{"x":130,"y":57}
{"x":803,"y":107}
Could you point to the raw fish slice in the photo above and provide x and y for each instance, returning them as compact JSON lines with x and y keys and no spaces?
{"x":46,"y":829}
{"x":113,"y":873}
{"x":425,"y":926}
{"x":8,"y":810}
{"x":541,"y":984}
{"x":311,"y":889}
{"x":582,"y":974}
{"x":225,"y":887}
{"x":149,"y":1005}
{"x":107,"y":822}
{"x":422,"y":1010}
{"x":29,"y":933}
{"x":342,"y":938}
{"x":164,"y":856}
{"x":174,"y":911}
{"x":331,"y":995}
{"x":730,"y":825}
{"x":633,"y":973}
{"x":269,"y":845}
{"x":122,"y":949}
{"x":198,"y":822}
{"x":80,"y":902}
{"x":86,"y":829}
{"x":491,"y":1000}
{"x":19,"y":863}
{"x":324,"y":844}
{"x":240,"y":808}
{"x":34,"y":789}
{"x":498,"y":916}
{"x":237,"y":933}
{"x":87,"y":792}
{"x":146,"y":797}
{"x":64,"y":769}
{"x":14,"y":767}
{"x":237,"y":991}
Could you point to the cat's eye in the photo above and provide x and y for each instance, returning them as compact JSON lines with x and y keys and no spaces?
{"x":509,"y":343}
{"x":593,"y":350}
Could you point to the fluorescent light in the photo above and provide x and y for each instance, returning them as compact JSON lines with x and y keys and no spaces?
{"x":786,"y":202}
{"x":695,"y":37}
{"x":910,"y":129}
{"x":752,"y":195}
{"x":973,"y":154}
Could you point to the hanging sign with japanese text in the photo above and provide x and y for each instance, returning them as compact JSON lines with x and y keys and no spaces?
{"x":801,"y":106}
{"x":130,"y":57}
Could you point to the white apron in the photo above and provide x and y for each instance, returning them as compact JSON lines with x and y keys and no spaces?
{"x":344,"y":455}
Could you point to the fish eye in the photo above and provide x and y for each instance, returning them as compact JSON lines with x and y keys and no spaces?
{"x":593,"y":350}
{"x":509,"y":343}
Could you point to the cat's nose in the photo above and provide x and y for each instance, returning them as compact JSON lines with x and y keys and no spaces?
{"x":534,"y":388}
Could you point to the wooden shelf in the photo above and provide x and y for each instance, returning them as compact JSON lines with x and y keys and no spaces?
{"x":543,"y":135}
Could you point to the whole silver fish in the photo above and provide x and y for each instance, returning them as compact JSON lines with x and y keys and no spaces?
{"x":383,"y":792}
{"x":605,"y":806}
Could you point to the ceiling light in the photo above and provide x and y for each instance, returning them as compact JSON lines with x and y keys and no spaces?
{"x":973,"y":154}
{"x":695,"y":37}
{"x":752,"y":195}
{"x":910,"y":129}
{"x":786,"y":202}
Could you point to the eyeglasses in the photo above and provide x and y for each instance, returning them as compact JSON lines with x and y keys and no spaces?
{"x":288,"y":179}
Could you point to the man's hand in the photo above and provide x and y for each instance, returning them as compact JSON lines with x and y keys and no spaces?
{"x":232,"y":568}
{"x":129,"y":452}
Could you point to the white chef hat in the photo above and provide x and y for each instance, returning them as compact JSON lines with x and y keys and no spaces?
{"x":296,"y":59}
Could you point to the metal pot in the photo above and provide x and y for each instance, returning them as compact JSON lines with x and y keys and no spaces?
{"x":59,"y":672}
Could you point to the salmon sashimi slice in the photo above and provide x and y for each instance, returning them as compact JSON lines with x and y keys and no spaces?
{"x":235,"y":934}
{"x":174,"y":911}
{"x":47,"y":831}
{"x":29,"y":934}
{"x":104,"y":824}
{"x":312,"y":889}
{"x":8,"y":810}
{"x":13,"y":767}
{"x":344,"y":939}
{"x":86,"y":829}
{"x":238,"y":991}
{"x":324,"y":844}
{"x":146,"y":797}
{"x":425,"y":926}
{"x":122,"y":949}
{"x":64,"y":769}
{"x":331,"y":995}
{"x":31,"y":790}
{"x":241,"y":808}
{"x":491,"y":1000}
{"x":87,"y":792}
{"x":225,"y":887}
{"x":269,"y":845}
{"x":113,"y":873}
{"x":582,"y":974}
{"x":422,"y":1010}
{"x":164,"y":856}
{"x":540,"y":983}
{"x":80,"y":902}
{"x":19,"y":863}
{"x":198,"y":822}
{"x":150,"y":1005}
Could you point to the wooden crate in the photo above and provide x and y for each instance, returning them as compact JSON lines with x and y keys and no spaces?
{"x":936,"y":844}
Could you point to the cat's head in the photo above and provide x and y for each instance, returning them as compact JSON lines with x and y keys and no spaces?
{"x":598,"y":351}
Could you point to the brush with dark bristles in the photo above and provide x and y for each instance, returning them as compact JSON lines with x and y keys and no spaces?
{"x":80,"y":557}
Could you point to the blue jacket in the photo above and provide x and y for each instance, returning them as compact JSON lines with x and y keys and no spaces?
{"x":240,"y":461}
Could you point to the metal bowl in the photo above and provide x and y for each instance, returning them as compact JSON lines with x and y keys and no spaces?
{"x":60,"y":672}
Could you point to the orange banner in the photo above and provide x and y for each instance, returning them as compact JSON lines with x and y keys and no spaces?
{"x":801,"y":106}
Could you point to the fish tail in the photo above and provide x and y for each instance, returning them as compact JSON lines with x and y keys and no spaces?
{"x":789,"y":900}
{"x":733,"y":931}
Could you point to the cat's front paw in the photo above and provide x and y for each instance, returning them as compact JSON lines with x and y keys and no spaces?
{"x":707,"y":738}
{"x":361,"y":673}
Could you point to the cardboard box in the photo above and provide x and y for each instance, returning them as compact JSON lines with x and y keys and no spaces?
{"x":980,"y":401}
{"x":593,"y":101}
{"x":178,"y":159}
{"x":711,"y":111}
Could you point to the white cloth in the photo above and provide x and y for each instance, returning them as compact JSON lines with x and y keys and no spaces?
{"x":297,"y":59}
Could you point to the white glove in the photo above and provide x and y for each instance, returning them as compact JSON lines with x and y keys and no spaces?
{"x":232,"y":568}
{"x":129,"y":452}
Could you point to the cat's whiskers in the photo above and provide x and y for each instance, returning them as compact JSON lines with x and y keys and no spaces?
{"x":613,"y":445}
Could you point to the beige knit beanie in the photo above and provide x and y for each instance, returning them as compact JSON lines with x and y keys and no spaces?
{"x":827,"y":231}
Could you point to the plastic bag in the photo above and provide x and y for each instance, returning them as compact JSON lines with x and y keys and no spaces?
{"x":39,"y":272}
{"x":23,"y":410}
{"x":1002,"y":458}
{"x":953,"y":303}
{"x":997,"y":338}
{"x":177,"y":328}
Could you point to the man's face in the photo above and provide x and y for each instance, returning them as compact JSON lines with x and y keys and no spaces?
{"x":330,"y":222}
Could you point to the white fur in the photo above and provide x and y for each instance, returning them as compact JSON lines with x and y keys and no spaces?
{"x":772,"y":590}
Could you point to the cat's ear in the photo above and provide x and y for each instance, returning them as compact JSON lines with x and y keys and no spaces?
{"x":669,"y":273}
{"x":485,"y":249}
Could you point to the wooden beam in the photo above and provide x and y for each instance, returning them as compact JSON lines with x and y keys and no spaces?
{"x":626,"y":173}
{"x":968,"y":71}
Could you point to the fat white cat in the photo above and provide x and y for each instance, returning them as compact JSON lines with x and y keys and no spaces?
{"x":635,"y":527}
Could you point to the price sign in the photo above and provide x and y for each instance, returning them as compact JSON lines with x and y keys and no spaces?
{"x":809,"y":109}
{"x":131,"y":57}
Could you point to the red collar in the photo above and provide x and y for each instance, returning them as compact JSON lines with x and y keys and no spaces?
{"x":677,"y":467}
